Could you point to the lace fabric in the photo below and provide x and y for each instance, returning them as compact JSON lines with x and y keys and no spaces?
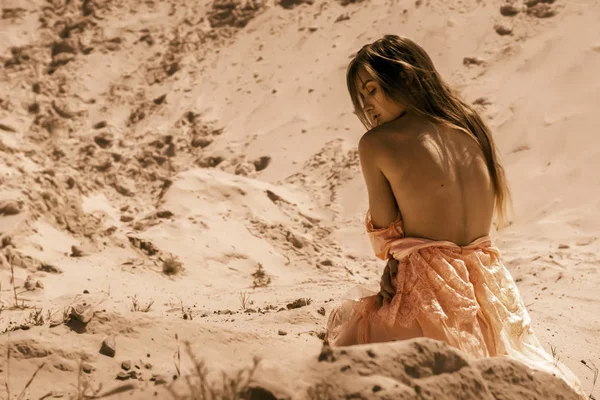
{"x":462,"y":295}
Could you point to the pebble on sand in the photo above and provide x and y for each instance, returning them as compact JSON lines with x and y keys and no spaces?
{"x":502,"y":30}
{"x":508,"y":10}
{"x":87,"y":367}
{"x":82,"y":312}
{"x":109,"y":348}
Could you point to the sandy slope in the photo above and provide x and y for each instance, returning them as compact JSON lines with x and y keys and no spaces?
{"x":138,"y":133}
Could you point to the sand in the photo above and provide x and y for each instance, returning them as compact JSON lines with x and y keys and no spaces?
{"x":190,"y":169}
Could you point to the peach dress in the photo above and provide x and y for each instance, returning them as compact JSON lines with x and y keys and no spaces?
{"x":462,"y":295}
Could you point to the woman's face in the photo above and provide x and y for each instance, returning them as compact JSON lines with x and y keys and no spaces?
{"x":378,"y":107}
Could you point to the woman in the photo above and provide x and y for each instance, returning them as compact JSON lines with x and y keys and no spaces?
{"x":434,"y":182}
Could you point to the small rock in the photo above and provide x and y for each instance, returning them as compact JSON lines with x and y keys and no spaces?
{"x":298,"y":303}
{"x":245,"y":169}
{"x":159,"y":100}
{"x":502,"y":30}
{"x":126,"y":365}
{"x":39,"y":284}
{"x":321,"y":311}
{"x":482,"y":101}
{"x":49,"y":268}
{"x":6,"y":241}
{"x":262,"y":163}
{"x":158,"y":379}
{"x":99,"y":125}
{"x":563,"y":246}
{"x":148,"y":366}
{"x":126,"y":218}
{"x":468,"y":61}
{"x":326,"y":262}
{"x":109,"y":346}
{"x":10,"y":207}
{"x":76,"y":251}
{"x":313,"y":28}
{"x":200,"y":141}
{"x":82,"y":312}
{"x":342,"y":17}
{"x":7,"y":128}
{"x":296,"y":242}
{"x":63,"y":46}
{"x":209,"y":161}
{"x":533,"y":3}
{"x":87,"y":367}
{"x":125,"y":186}
{"x":541,"y":11}
{"x":123,"y":376}
{"x":282,"y":332}
{"x":61,"y":59}
{"x":274,"y":197}
{"x":508,"y":10}
{"x":104,"y":164}
{"x":326,"y":354}
{"x":164,"y":214}
{"x":29,"y":284}
{"x":171,"y":152}
{"x":104,"y":140}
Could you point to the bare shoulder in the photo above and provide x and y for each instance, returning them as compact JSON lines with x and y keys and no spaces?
{"x":400,"y":141}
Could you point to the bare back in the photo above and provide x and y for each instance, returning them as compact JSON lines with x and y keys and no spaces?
{"x":440,"y":180}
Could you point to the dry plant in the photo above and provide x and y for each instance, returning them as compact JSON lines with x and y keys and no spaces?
{"x":12,"y":280}
{"x":135,"y":305}
{"x":36,"y":318}
{"x":29,"y":382}
{"x":85,"y":391}
{"x":66,"y":314}
{"x":555,"y":356}
{"x":244,"y":300}
{"x":198,"y":386}
{"x":178,"y":360}
{"x":171,"y":266}
{"x":594,"y":370}
{"x":261,"y":279}
{"x":320,"y":391}
{"x":186,"y":314}
{"x":84,"y":387}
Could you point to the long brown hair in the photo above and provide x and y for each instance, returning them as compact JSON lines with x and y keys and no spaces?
{"x":406,"y":73}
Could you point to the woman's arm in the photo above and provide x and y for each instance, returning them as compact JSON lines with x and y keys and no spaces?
{"x":382,"y":202}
